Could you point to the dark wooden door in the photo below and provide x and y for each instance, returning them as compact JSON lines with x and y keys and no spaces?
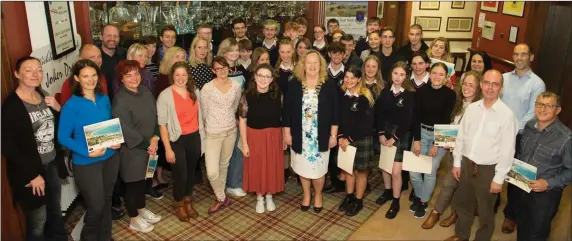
{"x":13,"y":222}
{"x":554,"y":59}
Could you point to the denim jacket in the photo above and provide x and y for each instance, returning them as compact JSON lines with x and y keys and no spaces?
{"x":550,"y":151}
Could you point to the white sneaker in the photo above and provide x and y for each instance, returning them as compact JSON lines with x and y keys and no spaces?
{"x":140,"y":225}
{"x":237,"y":192}
{"x":270,"y":206}
{"x":260,"y":205}
{"x":150,"y":217}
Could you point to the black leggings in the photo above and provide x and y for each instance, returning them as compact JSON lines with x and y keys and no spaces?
{"x":135,"y":197}
{"x":187,"y":154}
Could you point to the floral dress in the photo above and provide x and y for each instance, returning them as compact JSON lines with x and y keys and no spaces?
{"x":311,"y":163}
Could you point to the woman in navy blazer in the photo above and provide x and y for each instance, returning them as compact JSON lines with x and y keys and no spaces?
{"x":311,"y":124}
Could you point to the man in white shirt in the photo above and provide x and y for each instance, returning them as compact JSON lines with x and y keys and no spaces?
{"x":483,"y":156}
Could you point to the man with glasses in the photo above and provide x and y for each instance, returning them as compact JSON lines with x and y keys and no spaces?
{"x":522,"y":87}
{"x":545,"y":144}
{"x":483,"y":156}
{"x":206,"y":31}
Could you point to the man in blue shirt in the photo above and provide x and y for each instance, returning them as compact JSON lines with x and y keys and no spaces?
{"x":522,"y":87}
{"x":545,"y":144}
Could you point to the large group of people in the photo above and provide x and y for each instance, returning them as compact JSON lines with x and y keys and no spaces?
{"x":255,"y":111}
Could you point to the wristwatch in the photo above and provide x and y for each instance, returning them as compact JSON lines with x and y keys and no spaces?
{"x":158,"y":138}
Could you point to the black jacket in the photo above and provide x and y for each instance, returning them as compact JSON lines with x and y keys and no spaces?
{"x":23,"y":162}
{"x":328,"y":115}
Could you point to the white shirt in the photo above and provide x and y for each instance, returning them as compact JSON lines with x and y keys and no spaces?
{"x":319,"y":45}
{"x":335,"y":72}
{"x":269,"y":47}
{"x":423,"y":80}
{"x":401,"y":89}
{"x":487,"y":137}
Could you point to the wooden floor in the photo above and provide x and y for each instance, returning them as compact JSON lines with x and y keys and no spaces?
{"x":407,"y":227}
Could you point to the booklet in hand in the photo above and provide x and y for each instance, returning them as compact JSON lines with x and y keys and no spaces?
{"x":520,"y":174}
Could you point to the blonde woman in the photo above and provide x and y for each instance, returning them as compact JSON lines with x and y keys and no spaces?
{"x":285,"y":63}
{"x":173,"y":55}
{"x":371,"y":70}
{"x":356,"y":122}
{"x":139,"y":53}
{"x":441,"y":50}
{"x":311,"y":131}
{"x":200,"y":59}
{"x":229,"y":50}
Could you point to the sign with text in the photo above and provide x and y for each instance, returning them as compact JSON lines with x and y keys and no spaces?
{"x":351,"y":15}
{"x":56,"y":71}
{"x":60,"y":28}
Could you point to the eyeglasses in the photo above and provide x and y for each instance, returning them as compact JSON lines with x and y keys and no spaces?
{"x":264,"y":76}
{"x":541,"y":105}
{"x":493,"y":84}
{"x":220,"y":69}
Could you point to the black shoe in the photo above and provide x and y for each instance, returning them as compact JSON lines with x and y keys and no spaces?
{"x":318,"y":209}
{"x":415,"y":205}
{"x":385,"y":196}
{"x":344,"y":206}
{"x":421,"y":210}
{"x":161,"y":185}
{"x":116,"y":214}
{"x":393,"y":210}
{"x":304,"y":208}
{"x":412,"y":195}
{"x":153,"y":193}
{"x":286,"y":175}
{"x":355,"y":207}
{"x":333,"y":189}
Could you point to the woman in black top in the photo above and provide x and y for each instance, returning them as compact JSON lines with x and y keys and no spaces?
{"x":394,"y":111}
{"x":200,"y":60}
{"x":320,"y":42}
{"x":356,"y":121}
{"x":479,"y":62}
{"x":260,"y":112}
{"x":434,"y":105}
{"x":310,"y":122}
{"x":29,"y":125}
{"x":285,"y":64}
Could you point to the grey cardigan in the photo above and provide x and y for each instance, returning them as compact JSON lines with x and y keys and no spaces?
{"x":167,"y":116}
{"x":137,"y":112}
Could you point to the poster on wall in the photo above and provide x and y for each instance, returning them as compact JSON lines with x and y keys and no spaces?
{"x":60,"y":28}
{"x":56,"y":71}
{"x":351,"y":15}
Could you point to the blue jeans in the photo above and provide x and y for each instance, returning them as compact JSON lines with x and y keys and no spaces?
{"x":234,"y":176}
{"x":423,"y":184}
{"x":45,"y":222}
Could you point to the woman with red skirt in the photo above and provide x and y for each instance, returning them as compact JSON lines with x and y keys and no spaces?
{"x":260,"y":124}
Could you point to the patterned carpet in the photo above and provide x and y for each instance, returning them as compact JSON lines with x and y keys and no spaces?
{"x":241,"y":222}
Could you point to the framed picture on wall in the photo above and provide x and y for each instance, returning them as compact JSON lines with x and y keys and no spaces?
{"x":490,"y":6}
{"x":380,"y":10}
{"x":513,"y":35}
{"x":60,"y":28}
{"x":514,"y":8}
{"x":458,"y":5}
{"x":459,"y":24}
{"x":428,"y":6}
{"x":431,"y":24}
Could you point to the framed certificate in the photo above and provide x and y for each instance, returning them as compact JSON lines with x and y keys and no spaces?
{"x":60,"y":28}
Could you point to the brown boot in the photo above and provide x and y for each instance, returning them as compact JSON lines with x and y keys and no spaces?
{"x":180,"y":211}
{"x":450,"y":220}
{"x":189,"y":208}
{"x":431,"y":220}
{"x":508,"y":226}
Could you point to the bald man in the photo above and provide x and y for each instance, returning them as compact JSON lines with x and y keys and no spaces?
{"x":483,"y":156}
{"x":87,"y":51}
